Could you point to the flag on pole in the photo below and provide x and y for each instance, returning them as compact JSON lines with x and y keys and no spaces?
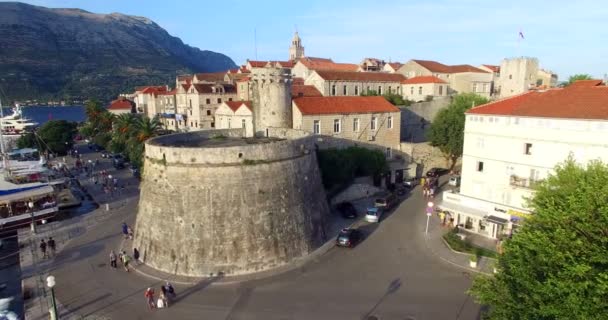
{"x":521,"y":35}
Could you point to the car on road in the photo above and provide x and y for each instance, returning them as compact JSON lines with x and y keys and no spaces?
{"x":373,"y":214}
{"x":118,"y":161}
{"x":385,"y":201}
{"x":347,"y":210}
{"x":454,"y":181}
{"x":411,"y":182}
{"x":349,"y":237}
{"x":436,"y":172}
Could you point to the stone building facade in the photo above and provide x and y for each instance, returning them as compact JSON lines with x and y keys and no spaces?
{"x":343,"y":83}
{"x":419,"y":88}
{"x":235,"y":114}
{"x":369,"y":121}
{"x":196,"y":104}
{"x":517,"y":76}
{"x":296,"y":50}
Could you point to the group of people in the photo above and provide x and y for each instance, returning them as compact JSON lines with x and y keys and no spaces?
{"x":166,"y":291}
{"x":429,"y":186}
{"x":124,"y":258}
{"x":50,"y":245}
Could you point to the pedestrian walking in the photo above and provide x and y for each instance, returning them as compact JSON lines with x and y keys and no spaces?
{"x":169,"y":290}
{"x":136,"y":255}
{"x":125,"y":261}
{"x":51,"y":244}
{"x":162,"y":301}
{"x":125,"y":230}
{"x":113,"y":259}
{"x":130,"y":233}
{"x":149,"y":294}
{"x":432,"y":192}
{"x":43,"y":248}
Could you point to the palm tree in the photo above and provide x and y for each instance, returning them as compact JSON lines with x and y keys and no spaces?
{"x":146,"y":128}
{"x":124,"y":125}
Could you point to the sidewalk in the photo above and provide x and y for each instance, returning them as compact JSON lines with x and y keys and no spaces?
{"x":437,"y":245}
{"x":35,"y":268}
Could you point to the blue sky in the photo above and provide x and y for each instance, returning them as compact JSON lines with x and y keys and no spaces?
{"x":568,"y":37}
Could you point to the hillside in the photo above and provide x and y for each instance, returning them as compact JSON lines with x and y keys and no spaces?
{"x":67,"y":53}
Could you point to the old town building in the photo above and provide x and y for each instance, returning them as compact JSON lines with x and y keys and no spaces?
{"x":422,"y":87}
{"x":235,"y":114}
{"x":512,"y":144}
{"x":342,"y":83}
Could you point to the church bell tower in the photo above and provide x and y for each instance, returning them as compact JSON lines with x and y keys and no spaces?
{"x":296,"y":50}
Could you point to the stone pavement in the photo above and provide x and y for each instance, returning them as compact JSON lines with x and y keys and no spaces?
{"x":35,"y":268}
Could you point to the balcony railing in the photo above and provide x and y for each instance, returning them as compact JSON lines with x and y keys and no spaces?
{"x":521,"y":182}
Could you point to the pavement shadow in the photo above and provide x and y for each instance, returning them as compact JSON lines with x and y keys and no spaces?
{"x":393,"y":287}
{"x":197,"y":287}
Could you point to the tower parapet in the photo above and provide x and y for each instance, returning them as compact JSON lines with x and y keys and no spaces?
{"x":271,"y":98}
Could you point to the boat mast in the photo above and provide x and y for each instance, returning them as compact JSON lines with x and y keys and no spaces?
{"x":4,"y":160}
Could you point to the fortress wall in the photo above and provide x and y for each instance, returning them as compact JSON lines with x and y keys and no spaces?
{"x":199,"y":218}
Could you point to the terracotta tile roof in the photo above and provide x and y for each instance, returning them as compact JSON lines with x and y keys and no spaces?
{"x":360,"y":76}
{"x":422,"y":79}
{"x":121,"y":104}
{"x":185,"y":78}
{"x":492,"y":67}
{"x":244,"y":79}
{"x":395,"y":65}
{"x":581,"y":100}
{"x":211,"y":77}
{"x":343,"y":105}
{"x":304,"y":91}
{"x":257,"y":64}
{"x":168,"y":93}
{"x":154,"y":90}
{"x":317,"y":59}
{"x":208,"y":88}
{"x":235,"y":105}
{"x":328,"y":65}
{"x":466,"y":68}
{"x":297,"y":81}
{"x":284,"y":64}
{"x":435,"y":66}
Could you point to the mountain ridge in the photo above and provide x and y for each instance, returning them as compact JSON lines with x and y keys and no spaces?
{"x":65,"y":53}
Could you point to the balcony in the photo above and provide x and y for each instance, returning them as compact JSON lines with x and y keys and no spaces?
{"x":516,"y":181}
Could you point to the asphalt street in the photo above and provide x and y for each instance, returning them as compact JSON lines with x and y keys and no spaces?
{"x":390,"y":275}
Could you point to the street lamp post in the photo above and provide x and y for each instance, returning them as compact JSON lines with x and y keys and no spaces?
{"x":30,"y":205}
{"x":50,"y":282}
{"x":429,"y":212}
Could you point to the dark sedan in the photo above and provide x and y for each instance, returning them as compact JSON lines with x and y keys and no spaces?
{"x":436,"y":172}
{"x":347,"y":210}
{"x":349,"y":237}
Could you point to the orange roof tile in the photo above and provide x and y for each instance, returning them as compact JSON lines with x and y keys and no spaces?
{"x":581,"y":100}
{"x":168,"y":93}
{"x":360,"y":76}
{"x":257,"y":64}
{"x":235,"y":105}
{"x":328,"y":65}
{"x":422,"y":79}
{"x":343,"y":105}
{"x":211,"y":77}
{"x":297,"y":81}
{"x":465,"y":68}
{"x":395,"y":65}
{"x":121,"y":104}
{"x":154,"y":90}
{"x":304,"y":91}
{"x":317,"y":59}
{"x":492,"y":67}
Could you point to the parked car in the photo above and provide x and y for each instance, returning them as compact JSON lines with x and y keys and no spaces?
{"x":118,"y":161}
{"x":373,"y":214}
{"x":349,"y":237}
{"x":436,"y":172}
{"x":411,"y":182}
{"x":347,"y":210}
{"x":386,"y":201}
{"x":454,"y":181}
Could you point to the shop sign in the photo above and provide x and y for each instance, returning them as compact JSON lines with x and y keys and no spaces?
{"x":518,"y":214}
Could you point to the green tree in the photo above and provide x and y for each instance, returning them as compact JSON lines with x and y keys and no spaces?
{"x":144,"y":129}
{"x":556,"y":266}
{"x":340,"y":166}
{"x":393,"y":98}
{"x":577,"y":77}
{"x":56,"y":136}
{"x":447,"y":130}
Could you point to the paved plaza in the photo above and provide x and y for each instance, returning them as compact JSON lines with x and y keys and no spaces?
{"x":395,"y":273}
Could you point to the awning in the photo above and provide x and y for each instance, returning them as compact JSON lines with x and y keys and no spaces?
{"x":28,"y":193}
{"x":497,"y":220}
{"x":457,"y":208}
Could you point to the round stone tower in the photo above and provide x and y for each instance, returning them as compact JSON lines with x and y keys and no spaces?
{"x":271,"y":98}
{"x":213,"y":201}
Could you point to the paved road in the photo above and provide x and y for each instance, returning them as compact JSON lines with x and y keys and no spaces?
{"x":390,"y":275}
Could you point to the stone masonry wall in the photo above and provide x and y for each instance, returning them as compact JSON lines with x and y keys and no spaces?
{"x":202,"y":217}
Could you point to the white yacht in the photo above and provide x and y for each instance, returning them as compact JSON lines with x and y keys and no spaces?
{"x":15,"y":123}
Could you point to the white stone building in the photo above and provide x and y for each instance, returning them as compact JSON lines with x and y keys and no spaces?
{"x":235,"y":114}
{"x":305,"y":66}
{"x":511,"y":144}
{"x":517,"y":76}
{"x":419,"y":88}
